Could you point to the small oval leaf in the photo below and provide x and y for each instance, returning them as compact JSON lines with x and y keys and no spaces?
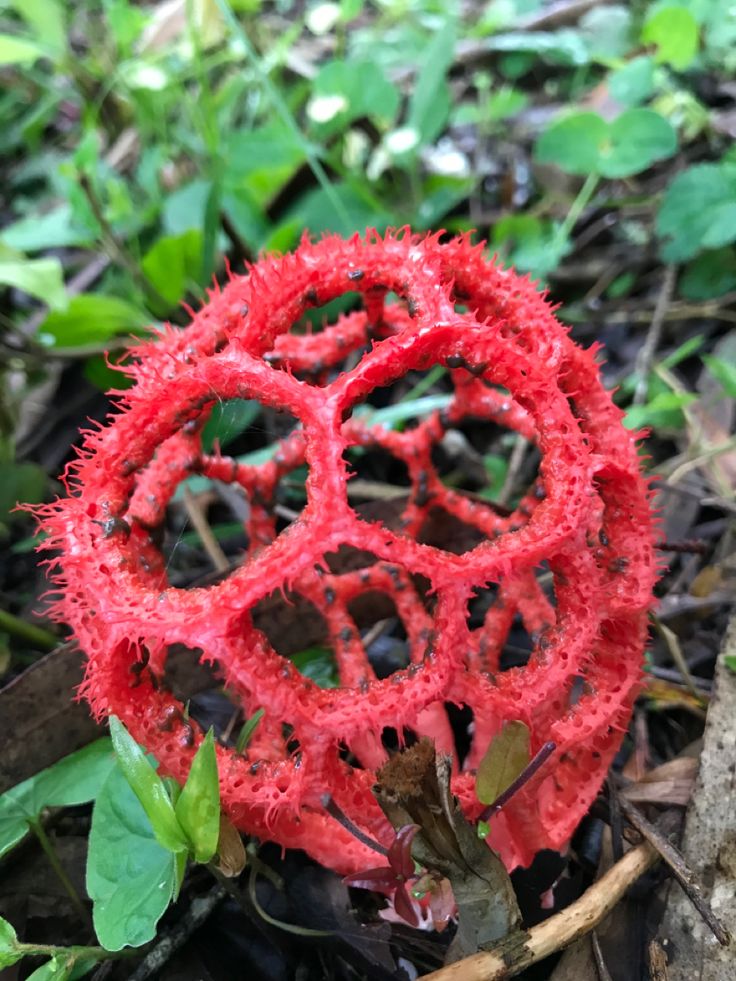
{"x":148,"y":787}
{"x":9,"y":953}
{"x":505,"y":758}
{"x":231,"y":855}
{"x":198,"y":807}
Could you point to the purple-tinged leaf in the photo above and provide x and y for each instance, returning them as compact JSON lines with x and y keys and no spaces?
{"x":399,"y":853}
{"x":405,"y":907}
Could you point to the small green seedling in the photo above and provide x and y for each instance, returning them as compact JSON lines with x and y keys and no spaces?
{"x":143,"y":832}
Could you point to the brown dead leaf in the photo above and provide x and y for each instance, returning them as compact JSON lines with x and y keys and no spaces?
{"x":231,"y":855}
{"x":670,"y":783}
{"x":669,"y":695}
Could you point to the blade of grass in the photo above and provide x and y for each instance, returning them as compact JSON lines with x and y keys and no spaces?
{"x":282,"y":108}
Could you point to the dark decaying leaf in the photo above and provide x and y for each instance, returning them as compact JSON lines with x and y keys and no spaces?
{"x":414,"y":788}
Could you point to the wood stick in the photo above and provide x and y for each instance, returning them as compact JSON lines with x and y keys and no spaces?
{"x":560,"y":930}
{"x":679,"y":868}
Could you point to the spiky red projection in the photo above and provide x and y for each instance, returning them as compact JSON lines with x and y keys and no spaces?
{"x":584,"y":527}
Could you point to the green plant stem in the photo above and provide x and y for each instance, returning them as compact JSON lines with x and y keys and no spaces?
{"x":36,"y":636}
{"x":115,"y":250}
{"x":282,"y":108}
{"x":40,"y":832}
{"x":424,"y":384}
{"x":294,"y":928}
{"x":577,"y":207}
{"x":77,"y":952}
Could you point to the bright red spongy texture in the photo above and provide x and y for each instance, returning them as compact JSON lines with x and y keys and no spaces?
{"x":586,"y":522}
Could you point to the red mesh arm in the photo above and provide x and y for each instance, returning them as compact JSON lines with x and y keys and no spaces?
{"x":586,"y":522}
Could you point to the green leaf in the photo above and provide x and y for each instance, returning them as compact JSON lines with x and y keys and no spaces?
{"x":664,"y":411}
{"x":198,"y":806}
{"x":22,"y":482}
{"x":724,"y":372}
{"x":174,"y":265}
{"x":75,"y":779}
{"x":530,"y":244}
{"x":681,"y":352}
{"x":439,"y":195}
{"x":63,"y":967}
{"x":131,"y":878}
{"x":318,"y":664}
{"x":504,"y":103}
{"x":698,"y":211}
{"x":8,"y":944}
{"x":262,"y":160}
{"x":247,"y":217}
{"x":184,"y":208}
{"x":343,"y":91}
{"x":46,"y":20}
{"x":584,"y":143}
{"x":148,"y":787}
{"x":13,"y":828}
{"x":103,"y":376}
{"x":712,"y":274}
{"x":573,"y":143}
{"x":505,"y":758}
{"x":249,"y":727}
{"x":52,"y":230}
{"x":606,"y":31}
{"x":314,"y":211}
{"x":207,"y":249}
{"x":429,"y":104}
{"x":42,"y":278}
{"x":636,"y":140}
{"x":565,"y":47}
{"x":228,"y":420}
{"x":19,"y":51}
{"x":92,"y":318}
{"x":674,"y":32}
{"x":633,"y":83}
{"x":729,"y":660}
{"x":496,"y":468}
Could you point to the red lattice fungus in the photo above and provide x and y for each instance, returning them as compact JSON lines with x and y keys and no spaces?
{"x":585,"y":525}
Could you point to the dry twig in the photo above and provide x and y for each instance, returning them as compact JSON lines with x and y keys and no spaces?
{"x":211,"y":546}
{"x":678,"y":867}
{"x":560,"y":930}
{"x":651,"y":342}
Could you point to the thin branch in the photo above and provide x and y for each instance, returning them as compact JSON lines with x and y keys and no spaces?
{"x":603,"y":973}
{"x":537,"y":761}
{"x":515,"y":463}
{"x":336,"y":812}
{"x":651,"y":342}
{"x":211,"y":546}
{"x":186,"y":924}
{"x":115,"y":250}
{"x":677,"y":864}
{"x":37,"y":637}
{"x":45,"y":842}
